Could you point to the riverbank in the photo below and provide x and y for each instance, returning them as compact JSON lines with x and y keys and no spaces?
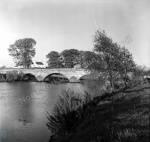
{"x":121,"y":117}
{"x":11,"y":76}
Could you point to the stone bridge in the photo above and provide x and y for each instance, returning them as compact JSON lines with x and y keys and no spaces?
{"x":73,"y":75}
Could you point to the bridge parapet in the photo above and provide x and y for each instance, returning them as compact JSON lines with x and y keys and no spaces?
{"x":41,"y":73}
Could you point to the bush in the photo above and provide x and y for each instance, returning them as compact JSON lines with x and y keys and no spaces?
{"x":14,"y":76}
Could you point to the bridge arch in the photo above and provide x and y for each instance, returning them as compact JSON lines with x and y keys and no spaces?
{"x":84,"y":77}
{"x":28,"y":77}
{"x":58,"y":77}
{"x":2,"y":76}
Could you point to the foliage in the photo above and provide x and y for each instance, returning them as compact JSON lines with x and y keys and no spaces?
{"x":14,"y":76}
{"x":148,"y":72}
{"x":89,"y":58}
{"x":98,"y":86}
{"x":139,"y":76}
{"x":54,"y":60}
{"x":70,"y":57}
{"x":3,"y":67}
{"x":67,"y":112}
{"x":117,"y":62}
{"x":81,"y":58}
{"x":22,"y":52}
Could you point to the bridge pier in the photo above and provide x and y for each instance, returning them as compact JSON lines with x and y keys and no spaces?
{"x":73,"y":79}
{"x":39,"y":78}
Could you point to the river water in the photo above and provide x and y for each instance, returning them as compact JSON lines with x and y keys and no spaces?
{"x":23,"y":107}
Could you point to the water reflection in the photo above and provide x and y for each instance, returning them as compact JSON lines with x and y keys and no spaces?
{"x":23,"y":107}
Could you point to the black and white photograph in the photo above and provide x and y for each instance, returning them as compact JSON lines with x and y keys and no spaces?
{"x":74,"y":70}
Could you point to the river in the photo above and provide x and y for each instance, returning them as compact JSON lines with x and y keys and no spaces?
{"x":23,"y":107}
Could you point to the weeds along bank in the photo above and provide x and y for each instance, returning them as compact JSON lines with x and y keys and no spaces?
{"x":11,"y":76}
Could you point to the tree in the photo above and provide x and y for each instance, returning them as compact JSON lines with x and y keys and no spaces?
{"x":89,"y":58}
{"x":3,"y":67}
{"x":111,"y":59}
{"x":125,"y":65}
{"x":54,"y":60}
{"x":81,"y":58}
{"x":70,"y":57}
{"x":148,"y":72}
{"x":22,"y":52}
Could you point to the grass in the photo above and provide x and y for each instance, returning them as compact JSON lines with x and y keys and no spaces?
{"x":123,"y":117}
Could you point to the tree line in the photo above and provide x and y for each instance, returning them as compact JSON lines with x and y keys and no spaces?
{"x":107,"y":57}
{"x":22,"y":52}
{"x":69,"y":58}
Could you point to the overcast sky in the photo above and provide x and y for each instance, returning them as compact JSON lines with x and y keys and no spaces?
{"x":64,"y":24}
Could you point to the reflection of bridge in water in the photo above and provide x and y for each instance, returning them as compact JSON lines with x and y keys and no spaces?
{"x":72,"y":74}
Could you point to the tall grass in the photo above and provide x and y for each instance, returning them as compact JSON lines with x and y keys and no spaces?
{"x":66,"y":113}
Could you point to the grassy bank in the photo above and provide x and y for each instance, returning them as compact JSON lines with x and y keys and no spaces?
{"x":124,"y":117}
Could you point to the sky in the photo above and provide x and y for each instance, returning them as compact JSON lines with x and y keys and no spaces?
{"x":57,"y":25}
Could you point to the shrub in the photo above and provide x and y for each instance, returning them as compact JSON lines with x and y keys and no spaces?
{"x":14,"y":76}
